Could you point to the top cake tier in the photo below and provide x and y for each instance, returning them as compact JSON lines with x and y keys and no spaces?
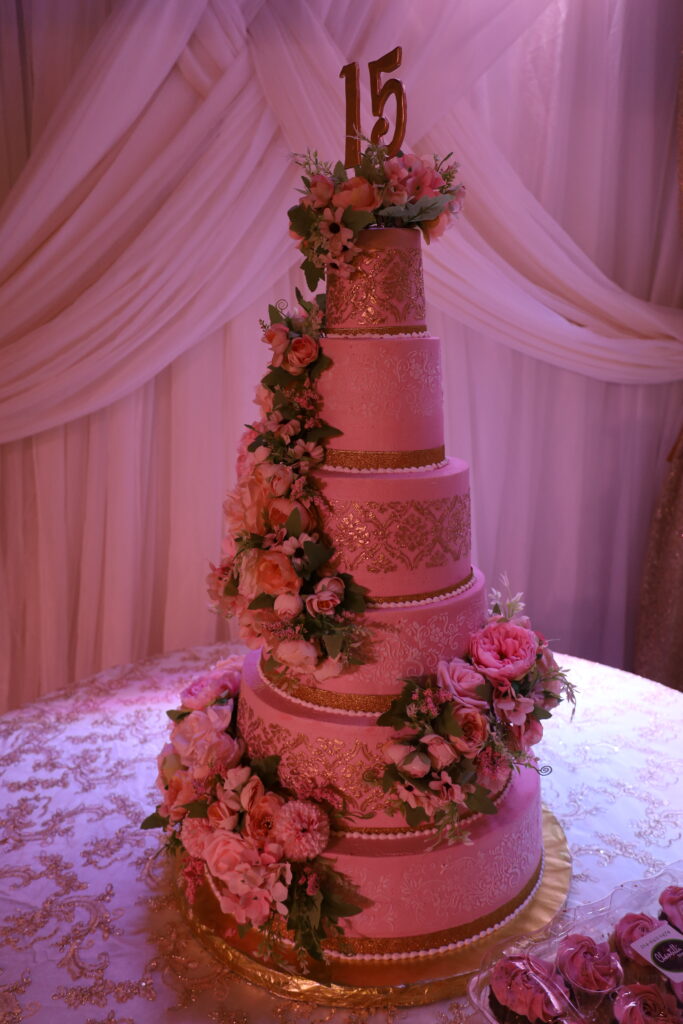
{"x":385,"y":293}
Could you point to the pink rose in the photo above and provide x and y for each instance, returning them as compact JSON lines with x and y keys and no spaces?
{"x":221,"y":681}
{"x":302,"y":352}
{"x":297,"y":653}
{"x":329,"y":593}
{"x":589,"y":965}
{"x":503,"y":651}
{"x":195,"y":734}
{"x":277,"y":336}
{"x":416,"y":765}
{"x":671,"y":902}
{"x":441,"y":752}
{"x":528,"y":734}
{"x":531,"y":987}
{"x":460,"y":682}
{"x":629,"y":928}
{"x":645,"y":1004}
{"x":288,"y":606}
{"x":474,"y":732}
{"x":358,"y":194}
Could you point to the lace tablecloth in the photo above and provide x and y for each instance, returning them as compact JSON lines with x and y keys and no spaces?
{"x":89,"y":931}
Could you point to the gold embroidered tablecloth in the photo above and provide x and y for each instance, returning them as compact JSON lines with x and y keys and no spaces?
{"x":89,"y":932}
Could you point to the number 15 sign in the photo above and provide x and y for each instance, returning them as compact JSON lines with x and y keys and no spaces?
{"x":379,"y":94}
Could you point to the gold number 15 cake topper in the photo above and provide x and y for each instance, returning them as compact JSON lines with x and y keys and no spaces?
{"x":379,"y":94}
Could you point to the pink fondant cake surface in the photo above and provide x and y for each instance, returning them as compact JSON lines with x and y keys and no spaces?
{"x":384,"y":394}
{"x":418,"y":891}
{"x":401,"y":535}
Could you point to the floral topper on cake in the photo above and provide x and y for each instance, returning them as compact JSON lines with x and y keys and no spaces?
{"x":399,"y":191}
{"x":461,"y":730}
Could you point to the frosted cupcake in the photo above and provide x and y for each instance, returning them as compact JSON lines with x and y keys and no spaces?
{"x":525,"y":988}
{"x":645,"y":1004}
{"x":591,"y":969}
{"x":626,"y":931}
{"x":671,"y":902}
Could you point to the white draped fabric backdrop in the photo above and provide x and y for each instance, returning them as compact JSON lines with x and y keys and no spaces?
{"x":145,"y":167}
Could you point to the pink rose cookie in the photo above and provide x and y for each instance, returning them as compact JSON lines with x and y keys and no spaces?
{"x":671,"y":902}
{"x":645,"y":1004}
{"x":525,"y":988}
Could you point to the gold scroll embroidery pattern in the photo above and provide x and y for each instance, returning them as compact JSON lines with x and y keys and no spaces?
{"x":387,"y":536}
{"x":386,"y":288}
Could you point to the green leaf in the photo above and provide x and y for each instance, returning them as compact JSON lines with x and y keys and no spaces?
{"x":321,"y":364}
{"x":323,"y":433}
{"x":447,"y":724}
{"x":177,"y":714}
{"x":312,"y":274}
{"x":415,"y":815}
{"x":275,"y":315}
{"x":356,"y":220}
{"x":333,"y":644}
{"x":339,"y":172}
{"x":321,"y":301}
{"x":196,"y":809}
{"x":154,"y":821}
{"x":262,"y":601}
{"x":316,"y":554}
{"x":230,"y":588}
{"x":301,"y":219}
{"x":484,"y":691}
{"x":267,"y":770}
{"x":480,"y":802}
{"x":541,"y":713}
{"x":293,"y":526}
{"x":279,"y":378}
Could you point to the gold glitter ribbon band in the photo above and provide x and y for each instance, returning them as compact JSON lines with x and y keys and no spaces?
{"x":373,"y":703}
{"x":339,"y":459}
{"x":370,"y":330}
{"x":435,"y":940}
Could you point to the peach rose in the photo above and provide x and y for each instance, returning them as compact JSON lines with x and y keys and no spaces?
{"x":288,"y":606}
{"x":329,"y":592}
{"x":260,"y":818}
{"x":179,"y":793}
{"x":474,"y":731}
{"x":435,"y":228}
{"x":196,"y":735}
{"x":358,"y":194}
{"x":320,"y":191}
{"x":267,"y":572}
{"x":280,"y":509}
{"x":302,"y":352}
{"x":277,"y":336}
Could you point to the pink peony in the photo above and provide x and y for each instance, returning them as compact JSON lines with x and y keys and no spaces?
{"x":474,"y":732}
{"x":302,"y":829}
{"x":200,"y":732}
{"x":358,"y":194}
{"x":629,"y":928}
{"x":671,"y":902}
{"x":531,"y":987}
{"x":645,"y":1004}
{"x":222,"y":681}
{"x":460,"y":682}
{"x":179,"y":792}
{"x":503,"y":651}
{"x":267,"y":572}
{"x":297,"y":653}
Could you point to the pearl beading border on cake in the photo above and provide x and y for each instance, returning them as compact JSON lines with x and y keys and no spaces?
{"x":402,"y":469}
{"x":414,"y":602}
{"x":309,"y":704}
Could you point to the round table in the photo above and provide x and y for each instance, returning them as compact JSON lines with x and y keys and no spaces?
{"x":89,"y":928}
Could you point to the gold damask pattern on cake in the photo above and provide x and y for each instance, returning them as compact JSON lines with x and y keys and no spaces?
{"x":386,"y":536}
{"x":305,"y":760}
{"x":386,"y":287}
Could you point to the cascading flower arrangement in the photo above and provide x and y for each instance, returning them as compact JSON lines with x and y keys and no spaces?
{"x":275,"y":574}
{"x":461,"y":731}
{"x":259,"y":844}
{"x":399,"y":191}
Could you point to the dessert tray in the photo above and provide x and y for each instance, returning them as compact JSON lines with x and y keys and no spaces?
{"x":597,"y":921}
{"x":423,"y":980}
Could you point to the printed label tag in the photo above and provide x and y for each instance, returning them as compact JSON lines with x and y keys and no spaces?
{"x":663,"y":948}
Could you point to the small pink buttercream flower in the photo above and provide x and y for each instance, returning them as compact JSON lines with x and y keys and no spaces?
{"x":671,"y":902}
{"x":645,"y":1004}
{"x":629,"y":928}
{"x":529,"y":986}
{"x":302,"y":829}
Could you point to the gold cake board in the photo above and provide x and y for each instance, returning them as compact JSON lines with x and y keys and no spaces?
{"x":414,"y":982}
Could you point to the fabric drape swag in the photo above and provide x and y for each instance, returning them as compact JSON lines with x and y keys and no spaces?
{"x":147,"y":171}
